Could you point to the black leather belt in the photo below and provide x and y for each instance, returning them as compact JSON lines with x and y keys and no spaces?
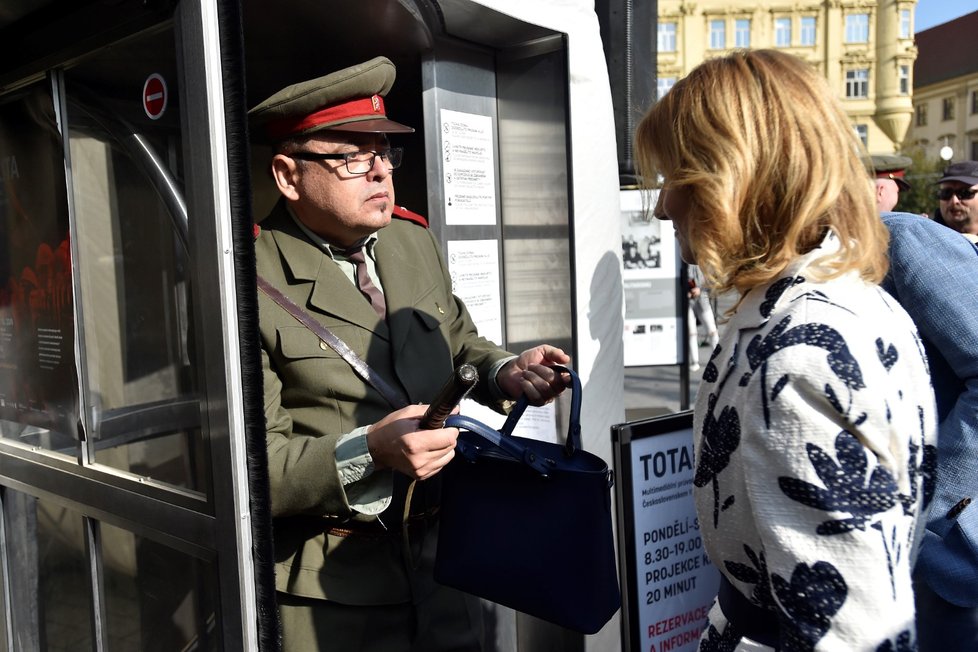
{"x":377,"y":530}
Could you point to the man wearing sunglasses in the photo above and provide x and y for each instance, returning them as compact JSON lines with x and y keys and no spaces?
{"x":956,"y":194}
{"x":354,"y":536}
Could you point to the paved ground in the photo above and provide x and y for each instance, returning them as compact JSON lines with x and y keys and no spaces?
{"x":657,"y":390}
{"x":650,"y":391}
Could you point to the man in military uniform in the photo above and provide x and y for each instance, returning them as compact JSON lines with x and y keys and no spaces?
{"x":353,"y":534}
{"x":890,"y":182}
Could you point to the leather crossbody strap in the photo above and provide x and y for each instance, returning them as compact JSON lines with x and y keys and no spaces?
{"x":396,"y":399}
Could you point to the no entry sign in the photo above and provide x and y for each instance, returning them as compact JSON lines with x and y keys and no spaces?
{"x":154,"y":96}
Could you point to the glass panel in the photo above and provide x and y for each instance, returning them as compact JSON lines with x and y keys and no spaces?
{"x":533,"y":141}
{"x":38,"y":382}
{"x":742,"y":33}
{"x":857,"y":28}
{"x":667,"y":37}
{"x":718,"y":34}
{"x":782,"y":32}
{"x":808,"y":30}
{"x":48,"y":575}
{"x":157,"y":598}
{"x":131,"y":224}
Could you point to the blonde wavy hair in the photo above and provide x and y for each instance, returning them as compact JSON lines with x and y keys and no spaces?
{"x":771,"y":163}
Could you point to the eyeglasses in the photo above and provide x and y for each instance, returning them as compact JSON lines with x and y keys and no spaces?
{"x":964,"y":194}
{"x":357,"y":162}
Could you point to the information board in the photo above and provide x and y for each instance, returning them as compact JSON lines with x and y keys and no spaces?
{"x":668,"y":582}
{"x":650,"y":277}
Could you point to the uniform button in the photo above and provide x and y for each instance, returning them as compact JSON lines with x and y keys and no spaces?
{"x":440,"y":309}
{"x":322,"y":345}
{"x":955,"y":511}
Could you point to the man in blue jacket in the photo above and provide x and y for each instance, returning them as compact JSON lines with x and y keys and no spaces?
{"x":934,"y":276}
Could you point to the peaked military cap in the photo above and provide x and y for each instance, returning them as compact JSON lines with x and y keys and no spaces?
{"x":351,"y":99}
{"x":890,"y":166}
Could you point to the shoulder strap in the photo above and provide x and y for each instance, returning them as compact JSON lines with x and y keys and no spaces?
{"x":405,"y":214}
{"x":396,"y":399}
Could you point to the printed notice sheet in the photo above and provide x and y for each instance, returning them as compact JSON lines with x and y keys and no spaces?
{"x":468,"y":168}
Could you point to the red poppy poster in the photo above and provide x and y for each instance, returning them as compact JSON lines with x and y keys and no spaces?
{"x":38,"y":377}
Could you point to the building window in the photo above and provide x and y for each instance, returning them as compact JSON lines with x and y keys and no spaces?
{"x":947,"y":108}
{"x":718,"y":34}
{"x":662,"y":86}
{"x":808,"y":30}
{"x":667,"y":37}
{"x":921,"y":115}
{"x":974,"y":105}
{"x":857,"y":83}
{"x":782,"y":32}
{"x":857,"y":28}
{"x":742,"y":33}
{"x":862,"y":133}
{"x":904,"y":23}
{"x":904,"y":80}
{"x":974,"y":150}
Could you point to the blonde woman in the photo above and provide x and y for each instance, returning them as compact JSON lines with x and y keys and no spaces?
{"x":814,"y":424}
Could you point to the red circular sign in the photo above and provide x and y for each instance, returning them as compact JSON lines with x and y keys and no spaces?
{"x":154,"y":96}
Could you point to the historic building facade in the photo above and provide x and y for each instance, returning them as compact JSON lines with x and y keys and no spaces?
{"x":865,"y":48}
{"x":946,"y":90}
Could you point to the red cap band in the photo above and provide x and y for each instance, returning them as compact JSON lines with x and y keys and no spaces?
{"x":364,"y":107}
{"x":896,"y":174}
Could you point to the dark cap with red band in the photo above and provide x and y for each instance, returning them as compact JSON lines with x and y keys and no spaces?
{"x":351,"y":99}
{"x":893,"y":167}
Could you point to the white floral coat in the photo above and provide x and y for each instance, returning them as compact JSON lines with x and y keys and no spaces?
{"x":815,"y":430}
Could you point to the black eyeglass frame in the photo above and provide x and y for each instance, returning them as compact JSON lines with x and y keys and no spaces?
{"x":392,"y":156}
{"x":964,"y":194}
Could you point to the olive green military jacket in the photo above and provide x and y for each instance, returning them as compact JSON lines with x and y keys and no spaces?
{"x":313,"y":397}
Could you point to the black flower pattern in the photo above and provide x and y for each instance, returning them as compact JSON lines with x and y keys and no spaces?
{"x":904,"y":643}
{"x":847,"y":487}
{"x":926,"y":471}
{"x":755,"y":574}
{"x":717,"y":642}
{"x":852,"y":493}
{"x":774,"y":293}
{"x":887,"y":354}
{"x":813,"y":595}
{"x":840,"y":360}
{"x":720,"y":439}
{"x":805,"y":604}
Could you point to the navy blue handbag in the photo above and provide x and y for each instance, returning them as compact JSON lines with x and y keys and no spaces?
{"x":527,"y":524}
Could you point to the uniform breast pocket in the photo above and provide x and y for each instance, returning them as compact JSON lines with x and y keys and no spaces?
{"x":432,"y":309}
{"x":307,"y":360}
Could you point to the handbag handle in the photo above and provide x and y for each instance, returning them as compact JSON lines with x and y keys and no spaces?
{"x":573,"y":442}
{"x":502,"y":438}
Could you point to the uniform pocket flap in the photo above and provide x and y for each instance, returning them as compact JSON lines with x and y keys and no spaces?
{"x":299,"y":342}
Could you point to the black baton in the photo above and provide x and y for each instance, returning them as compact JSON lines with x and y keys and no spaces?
{"x":451,"y":394}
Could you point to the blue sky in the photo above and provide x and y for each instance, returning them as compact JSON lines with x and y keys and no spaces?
{"x":935,"y":12}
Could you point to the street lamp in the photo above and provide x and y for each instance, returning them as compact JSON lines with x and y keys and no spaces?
{"x":946,"y":152}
